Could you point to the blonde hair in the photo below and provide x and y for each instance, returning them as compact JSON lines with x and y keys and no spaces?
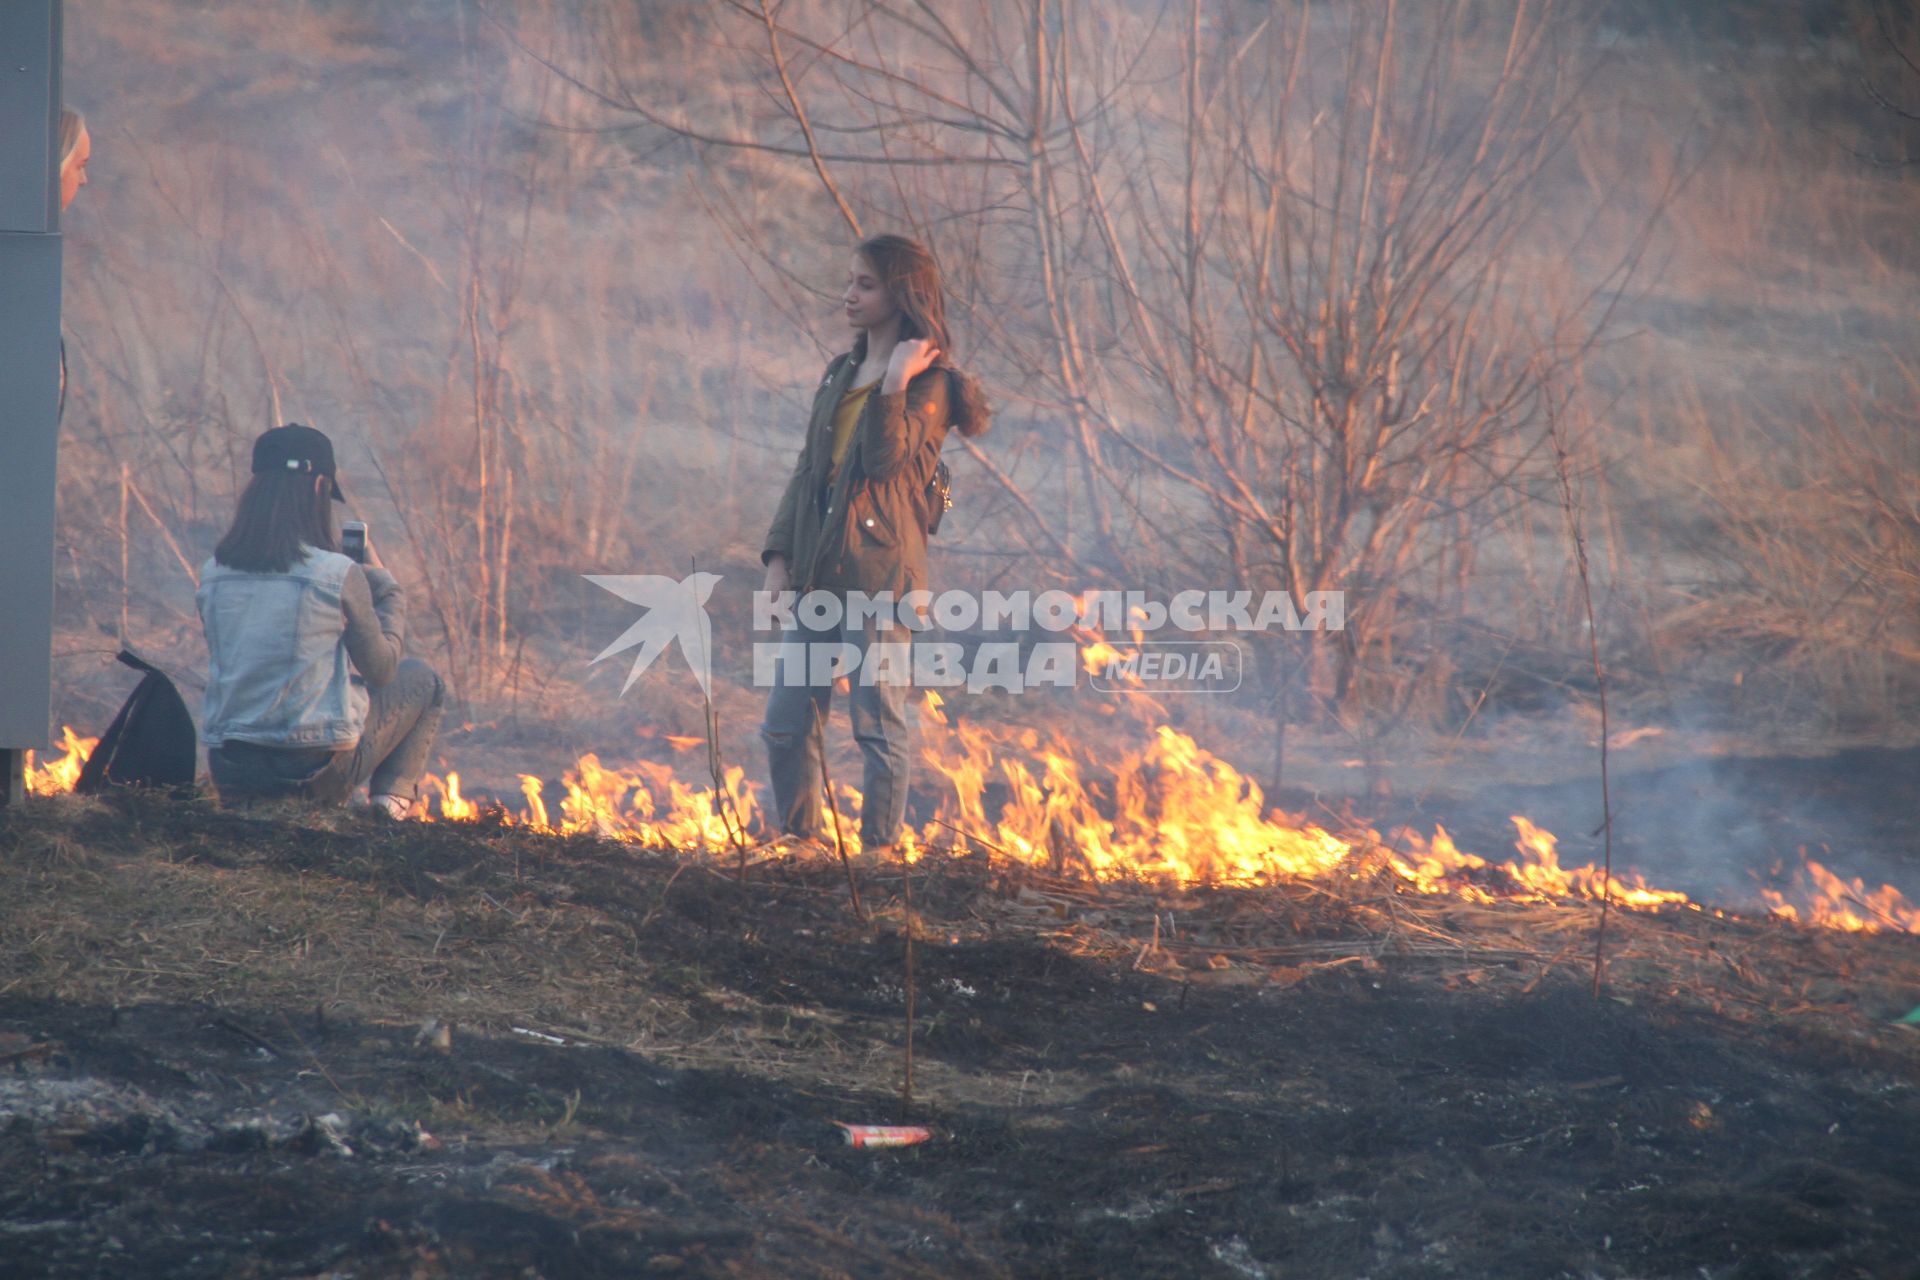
{"x":72,"y":125}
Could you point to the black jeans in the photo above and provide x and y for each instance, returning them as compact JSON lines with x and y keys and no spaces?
{"x":403,"y":716}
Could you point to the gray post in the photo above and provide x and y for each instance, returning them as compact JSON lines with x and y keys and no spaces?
{"x":29,"y":372}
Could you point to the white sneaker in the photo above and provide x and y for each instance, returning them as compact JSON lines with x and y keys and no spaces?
{"x":395,"y":807}
{"x":804,"y":846}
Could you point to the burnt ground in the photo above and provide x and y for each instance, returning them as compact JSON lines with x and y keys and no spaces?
{"x":213,"y":1063}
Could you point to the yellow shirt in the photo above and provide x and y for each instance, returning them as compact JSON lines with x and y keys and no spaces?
{"x":846,"y":417}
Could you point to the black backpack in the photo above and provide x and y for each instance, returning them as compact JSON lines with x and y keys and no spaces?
{"x":151,"y":743}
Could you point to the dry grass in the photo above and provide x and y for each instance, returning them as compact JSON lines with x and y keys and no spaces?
{"x":353,"y":222}
{"x":597,"y":943}
{"x":113,"y":929}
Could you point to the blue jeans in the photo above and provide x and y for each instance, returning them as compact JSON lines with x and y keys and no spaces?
{"x":403,"y":717}
{"x":796,"y":716}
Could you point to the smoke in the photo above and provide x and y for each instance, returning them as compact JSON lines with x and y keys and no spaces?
{"x":392,"y":222}
{"x":1698,"y":805}
{"x":526,"y":335}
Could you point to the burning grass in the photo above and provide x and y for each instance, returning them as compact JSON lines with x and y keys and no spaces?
{"x":1166,"y":813}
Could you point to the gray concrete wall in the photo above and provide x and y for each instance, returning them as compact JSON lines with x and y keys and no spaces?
{"x":29,"y":362}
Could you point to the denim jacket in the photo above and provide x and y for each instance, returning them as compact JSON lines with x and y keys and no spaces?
{"x":278,"y":671}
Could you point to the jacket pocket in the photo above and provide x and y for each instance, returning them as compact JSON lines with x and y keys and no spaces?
{"x":871,"y":520}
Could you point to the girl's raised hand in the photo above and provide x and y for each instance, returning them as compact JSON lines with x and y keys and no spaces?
{"x":911,"y":358}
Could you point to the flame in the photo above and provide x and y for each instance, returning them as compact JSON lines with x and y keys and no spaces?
{"x":530,"y":787}
{"x":453,"y":806}
{"x":1168,"y":811}
{"x":1818,"y":896}
{"x":646,"y":804}
{"x":59,"y":776}
{"x":1097,"y":655}
{"x":1173,"y":811}
{"x":1437,"y":866}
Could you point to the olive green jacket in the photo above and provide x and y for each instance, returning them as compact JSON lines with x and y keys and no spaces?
{"x":869,"y":531}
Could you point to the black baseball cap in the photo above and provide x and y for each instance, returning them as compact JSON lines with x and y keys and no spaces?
{"x":296,"y":448}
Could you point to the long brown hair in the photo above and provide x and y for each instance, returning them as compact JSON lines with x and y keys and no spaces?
{"x":72,"y":125}
{"x":279,"y":516}
{"x":911,"y":276}
{"x":912,"y":280}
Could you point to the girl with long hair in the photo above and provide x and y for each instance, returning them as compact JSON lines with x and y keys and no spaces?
{"x":76,"y":148}
{"x":288,"y":620}
{"x":854,"y":518}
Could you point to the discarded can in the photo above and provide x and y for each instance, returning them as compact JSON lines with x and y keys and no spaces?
{"x":884,"y":1135}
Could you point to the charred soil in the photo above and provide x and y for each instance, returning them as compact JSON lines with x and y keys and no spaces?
{"x":299,"y":1045}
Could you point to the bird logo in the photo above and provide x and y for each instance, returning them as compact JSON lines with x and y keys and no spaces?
{"x":675,"y":610}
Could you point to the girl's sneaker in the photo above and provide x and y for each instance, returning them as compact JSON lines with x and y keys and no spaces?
{"x":395,"y":807}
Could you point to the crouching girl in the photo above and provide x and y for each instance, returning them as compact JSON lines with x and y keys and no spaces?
{"x":289,"y":619}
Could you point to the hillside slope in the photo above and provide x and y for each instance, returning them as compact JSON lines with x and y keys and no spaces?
{"x":213,"y":1062}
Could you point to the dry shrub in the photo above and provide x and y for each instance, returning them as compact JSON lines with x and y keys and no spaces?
{"x":1809,"y":545}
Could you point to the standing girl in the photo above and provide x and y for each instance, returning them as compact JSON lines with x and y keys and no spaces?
{"x":854,"y":519}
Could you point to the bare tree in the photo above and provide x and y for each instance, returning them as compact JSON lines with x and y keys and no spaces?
{"x":1892,"y":74}
{"x":1260,"y":270}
